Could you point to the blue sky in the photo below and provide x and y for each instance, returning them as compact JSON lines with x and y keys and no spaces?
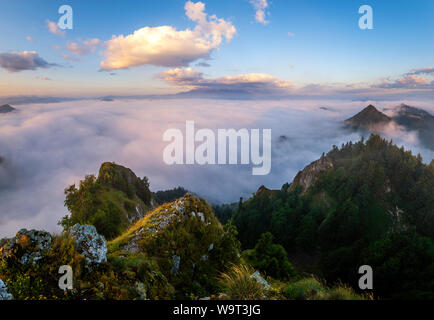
{"x":302,"y":43}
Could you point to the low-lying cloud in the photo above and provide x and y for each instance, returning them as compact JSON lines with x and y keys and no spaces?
{"x":46,"y":147}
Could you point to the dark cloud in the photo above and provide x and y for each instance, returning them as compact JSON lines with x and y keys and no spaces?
{"x":428,"y":70}
{"x":203,"y":64}
{"x":20,"y":61}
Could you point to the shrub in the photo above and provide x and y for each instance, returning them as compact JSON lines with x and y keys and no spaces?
{"x":238,"y":284}
{"x":313,"y":289}
{"x":306,"y":289}
{"x":270,"y":258}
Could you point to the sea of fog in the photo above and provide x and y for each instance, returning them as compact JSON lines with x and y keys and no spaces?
{"x":47,"y":147}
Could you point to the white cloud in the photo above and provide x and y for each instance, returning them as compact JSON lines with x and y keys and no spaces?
{"x":260,"y":7}
{"x":54,"y":28}
{"x":82,"y":48}
{"x":165,"y":46}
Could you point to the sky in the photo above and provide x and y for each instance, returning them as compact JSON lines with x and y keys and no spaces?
{"x":290,"y":48}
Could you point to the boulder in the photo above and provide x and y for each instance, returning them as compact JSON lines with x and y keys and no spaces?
{"x":33,"y":244}
{"x":257,"y":276}
{"x":89,"y":243}
{"x":4,"y":293}
{"x":176,"y":260}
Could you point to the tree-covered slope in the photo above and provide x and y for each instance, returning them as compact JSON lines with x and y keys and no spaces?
{"x":372,"y":195}
{"x":111,"y":202}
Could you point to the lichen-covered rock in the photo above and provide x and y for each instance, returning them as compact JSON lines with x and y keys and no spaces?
{"x":182,"y":242}
{"x":257,"y":276}
{"x":89,"y":243}
{"x":31,"y":243}
{"x":176,"y":260}
{"x":4,"y":293}
{"x":141,"y":290}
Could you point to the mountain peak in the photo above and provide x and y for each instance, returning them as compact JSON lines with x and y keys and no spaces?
{"x":368,"y":118}
{"x":6,"y":108}
{"x":371,"y":108}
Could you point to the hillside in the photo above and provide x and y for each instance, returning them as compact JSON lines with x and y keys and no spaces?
{"x":184,"y":241}
{"x":112,"y":202}
{"x":176,"y":251}
{"x":415,"y":119}
{"x":404,"y":116}
{"x":367,"y":201}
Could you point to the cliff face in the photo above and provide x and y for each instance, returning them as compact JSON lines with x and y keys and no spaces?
{"x":306,"y":177}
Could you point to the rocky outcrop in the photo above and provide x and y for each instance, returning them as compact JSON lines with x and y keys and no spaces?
{"x":32,"y":244}
{"x":176,"y":244}
{"x":89,"y":243}
{"x":257,"y":276}
{"x":4,"y":293}
{"x":306,"y":177}
{"x":176,"y":261}
{"x":264,"y":190}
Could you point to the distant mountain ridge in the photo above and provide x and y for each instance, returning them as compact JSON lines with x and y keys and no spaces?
{"x":6,"y":108}
{"x":415,"y":119}
{"x":408,"y":117}
{"x":369,"y":118}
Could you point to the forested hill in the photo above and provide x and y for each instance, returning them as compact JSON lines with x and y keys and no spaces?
{"x":373,"y":203}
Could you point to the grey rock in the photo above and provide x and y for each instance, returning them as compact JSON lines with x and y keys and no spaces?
{"x":4,"y":293}
{"x":141,"y":290}
{"x":256,"y":275}
{"x":34,"y":243}
{"x":223,"y":296}
{"x":89,"y":243}
{"x":201,"y":215}
{"x":176,"y":260}
{"x":308,"y":176}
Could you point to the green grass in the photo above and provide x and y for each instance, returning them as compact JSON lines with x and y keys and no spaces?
{"x":238,"y":284}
